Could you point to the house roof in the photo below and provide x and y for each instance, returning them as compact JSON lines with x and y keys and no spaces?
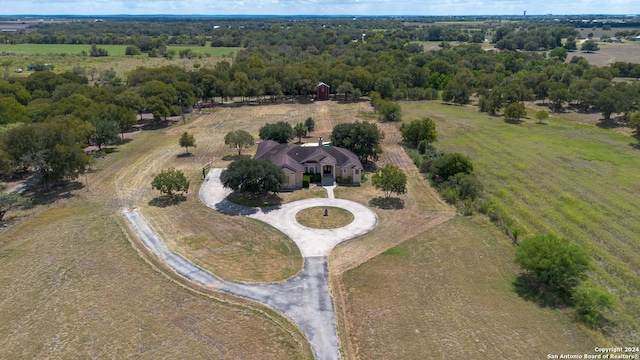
{"x":323,"y":84}
{"x":294,"y":157}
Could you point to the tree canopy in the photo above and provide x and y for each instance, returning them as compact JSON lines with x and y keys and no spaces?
{"x":419,"y":130}
{"x":187,"y":140}
{"x":238,"y":139}
{"x":281,"y":132}
{"x":301,"y":130}
{"x":251,"y":175}
{"x":362,"y":138}
{"x":390,"y":179}
{"x":552,"y":262}
{"x":169,"y":181}
{"x":449,"y":165}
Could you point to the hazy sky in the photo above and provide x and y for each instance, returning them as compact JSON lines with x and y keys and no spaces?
{"x":318,"y":7}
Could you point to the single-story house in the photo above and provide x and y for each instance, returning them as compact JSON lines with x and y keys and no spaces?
{"x":330,"y":162}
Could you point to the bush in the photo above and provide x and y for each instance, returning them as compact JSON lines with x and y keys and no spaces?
{"x":347,"y":180}
{"x":552,"y":264}
{"x":170,"y":180}
{"x":590,"y":301}
{"x":449,"y":165}
{"x":314,"y":178}
{"x":306,"y":179}
{"x":467,"y":186}
{"x":422,"y":146}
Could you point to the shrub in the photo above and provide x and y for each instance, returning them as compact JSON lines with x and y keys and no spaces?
{"x":314,"y":177}
{"x":449,"y":165}
{"x":422,"y":146}
{"x":467,"y":185}
{"x":306,"y":179}
{"x":590,"y":301}
{"x":552,"y":263}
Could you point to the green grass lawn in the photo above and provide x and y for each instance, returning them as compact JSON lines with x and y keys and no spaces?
{"x":113,"y":50}
{"x":564,"y":177}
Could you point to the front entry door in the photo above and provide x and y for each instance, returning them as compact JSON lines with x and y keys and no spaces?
{"x":327,"y":170}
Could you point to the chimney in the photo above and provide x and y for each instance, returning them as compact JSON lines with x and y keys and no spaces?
{"x":320,"y":141}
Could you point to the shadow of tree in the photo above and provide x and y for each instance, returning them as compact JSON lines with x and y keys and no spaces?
{"x":261,"y":200}
{"x":184,"y":155}
{"x":539,"y":294}
{"x":167,"y":200}
{"x":513,"y":121}
{"x":384,"y":203}
{"x":234,"y":157}
{"x":39,"y":196}
{"x":370,"y":166}
{"x":612,"y":123}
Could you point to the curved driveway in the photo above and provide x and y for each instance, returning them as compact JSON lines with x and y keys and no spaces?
{"x":305,"y":298}
{"x":312,"y":242}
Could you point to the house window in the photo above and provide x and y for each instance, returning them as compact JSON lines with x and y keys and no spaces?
{"x":357,"y":172}
{"x":311,"y":169}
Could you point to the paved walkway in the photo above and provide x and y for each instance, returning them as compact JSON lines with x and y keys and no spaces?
{"x":305,"y":298}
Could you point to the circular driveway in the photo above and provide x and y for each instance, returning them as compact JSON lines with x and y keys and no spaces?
{"x":311,"y":242}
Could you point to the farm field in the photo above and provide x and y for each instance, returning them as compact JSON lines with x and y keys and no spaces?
{"x":114,"y":50}
{"x":67,"y":57}
{"x":568,"y":177}
{"x":610,"y":53}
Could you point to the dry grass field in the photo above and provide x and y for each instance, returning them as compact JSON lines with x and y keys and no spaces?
{"x":610,"y":53}
{"x":74,"y":287}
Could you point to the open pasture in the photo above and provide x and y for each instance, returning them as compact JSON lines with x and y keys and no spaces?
{"x":73,"y":286}
{"x":567,"y":177}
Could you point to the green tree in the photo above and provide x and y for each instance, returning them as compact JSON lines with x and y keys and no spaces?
{"x":106,"y":131}
{"x":132,"y":50}
{"x":459,"y":88}
{"x":301,"y":130}
{"x":515,"y":111}
{"x":251,"y":175}
{"x":634,"y":121}
{"x":310,"y":124}
{"x":11,"y":111}
{"x":570,"y":44}
{"x":170,"y":181}
{"x":238,"y":139}
{"x":281,"y":132}
{"x":10,"y":200}
{"x":449,"y":165}
{"x":52,"y":149}
{"x":389,"y":111}
{"x":187,"y":140}
{"x":390,"y":179}
{"x":419,"y":130}
{"x":559,"y":53}
{"x":552,"y":263}
{"x":590,"y":301}
{"x":542,"y":115}
{"x":362,"y":138}
{"x":589,"y":46}
{"x":158,"y":108}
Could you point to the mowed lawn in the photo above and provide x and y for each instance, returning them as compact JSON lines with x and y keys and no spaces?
{"x":567,"y":177}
